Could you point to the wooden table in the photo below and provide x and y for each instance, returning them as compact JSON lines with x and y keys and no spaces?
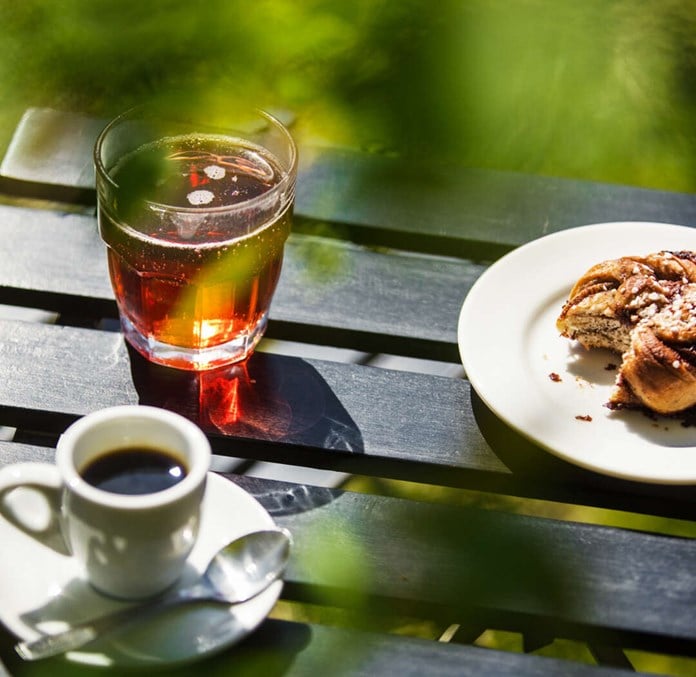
{"x":402,"y":256}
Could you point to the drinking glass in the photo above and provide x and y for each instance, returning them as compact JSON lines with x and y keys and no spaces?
{"x":195,"y":214}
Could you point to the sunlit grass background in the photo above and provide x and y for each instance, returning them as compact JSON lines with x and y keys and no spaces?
{"x":601,"y":90}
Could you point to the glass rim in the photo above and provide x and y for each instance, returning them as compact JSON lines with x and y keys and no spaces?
{"x":281,"y":187}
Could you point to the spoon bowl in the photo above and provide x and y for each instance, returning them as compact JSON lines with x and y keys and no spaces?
{"x":239,"y":571}
{"x":247,"y":566}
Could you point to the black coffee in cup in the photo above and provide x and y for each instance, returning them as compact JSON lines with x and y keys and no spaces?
{"x":134,"y":470}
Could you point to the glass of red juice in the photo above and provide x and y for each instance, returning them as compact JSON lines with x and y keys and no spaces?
{"x":195,"y":215}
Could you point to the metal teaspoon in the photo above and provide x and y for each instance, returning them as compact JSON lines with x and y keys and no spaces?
{"x":241,"y":570}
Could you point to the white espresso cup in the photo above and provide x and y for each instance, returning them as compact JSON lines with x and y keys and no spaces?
{"x":131,"y":545}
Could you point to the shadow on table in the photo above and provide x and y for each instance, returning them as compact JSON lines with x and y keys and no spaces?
{"x":284,"y":498}
{"x":270,"y":650}
{"x":270,"y":407}
{"x":531,"y":464}
{"x":267,"y":397}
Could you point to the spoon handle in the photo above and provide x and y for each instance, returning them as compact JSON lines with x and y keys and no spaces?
{"x":79,"y":635}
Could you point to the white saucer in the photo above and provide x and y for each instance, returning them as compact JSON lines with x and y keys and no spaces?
{"x":547,"y":387}
{"x":42,"y":591}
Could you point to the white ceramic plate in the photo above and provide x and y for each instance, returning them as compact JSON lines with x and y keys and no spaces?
{"x":41,"y":590}
{"x":509,"y":347}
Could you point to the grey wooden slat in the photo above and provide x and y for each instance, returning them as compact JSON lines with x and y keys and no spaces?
{"x":295,"y":649}
{"x":369,"y":655}
{"x":340,"y":417}
{"x":448,"y":210}
{"x":388,"y":556}
{"x":467,"y":212}
{"x":586,"y":582}
{"x":307,"y":407}
{"x":361,"y":299}
{"x":52,"y":147}
{"x":13,"y":452}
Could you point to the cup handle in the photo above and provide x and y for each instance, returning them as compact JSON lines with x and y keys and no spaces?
{"x":41,"y":520}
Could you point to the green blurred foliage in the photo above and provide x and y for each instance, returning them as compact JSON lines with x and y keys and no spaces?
{"x":599,"y":89}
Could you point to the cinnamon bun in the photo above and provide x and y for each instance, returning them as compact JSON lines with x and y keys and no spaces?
{"x":645,"y":309}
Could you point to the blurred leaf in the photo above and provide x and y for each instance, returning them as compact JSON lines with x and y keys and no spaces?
{"x":603,"y":89}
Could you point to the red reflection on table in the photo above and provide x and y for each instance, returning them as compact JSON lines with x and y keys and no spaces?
{"x":232,"y":401}
{"x":267,"y":397}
